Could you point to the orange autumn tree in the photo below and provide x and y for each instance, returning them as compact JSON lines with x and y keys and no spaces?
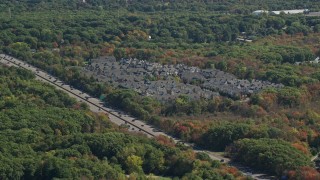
{"x":301,"y":147}
{"x":306,"y":173}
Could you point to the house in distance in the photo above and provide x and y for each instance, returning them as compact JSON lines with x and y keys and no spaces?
{"x":294,"y":11}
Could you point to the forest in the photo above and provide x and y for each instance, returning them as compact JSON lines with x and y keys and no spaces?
{"x":45,"y":134}
{"x":62,"y":36}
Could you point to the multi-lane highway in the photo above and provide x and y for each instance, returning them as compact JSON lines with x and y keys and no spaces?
{"x":94,"y":104}
{"x":116,"y":116}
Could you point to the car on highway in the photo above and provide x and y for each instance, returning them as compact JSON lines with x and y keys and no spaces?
{"x":156,"y":130}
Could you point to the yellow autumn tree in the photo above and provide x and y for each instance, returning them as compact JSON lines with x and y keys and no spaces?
{"x":134,"y":164}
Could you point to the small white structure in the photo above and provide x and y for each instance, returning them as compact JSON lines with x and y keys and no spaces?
{"x":316,"y":61}
{"x":294,"y":11}
{"x":244,"y":40}
{"x":149,"y":38}
{"x":259,"y":12}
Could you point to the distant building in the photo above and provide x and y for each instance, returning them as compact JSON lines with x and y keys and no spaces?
{"x":244,"y":40}
{"x":294,"y":11}
{"x":259,"y":12}
{"x":316,"y":61}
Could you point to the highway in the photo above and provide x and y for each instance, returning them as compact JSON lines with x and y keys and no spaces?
{"x":94,"y":104}
{"x":115,"y":116}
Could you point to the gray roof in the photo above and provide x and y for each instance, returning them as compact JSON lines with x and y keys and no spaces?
{"x":166,"y":82}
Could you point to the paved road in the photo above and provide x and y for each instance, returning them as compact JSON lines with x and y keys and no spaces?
{"x":116,"y":116}
{"x":315,"y":157}
{"x":95,"y":104}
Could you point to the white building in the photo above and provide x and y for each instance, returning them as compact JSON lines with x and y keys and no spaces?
{"x":294,"y":11}
{"x":259,"y":12}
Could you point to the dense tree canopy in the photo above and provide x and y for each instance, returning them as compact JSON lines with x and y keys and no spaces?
{"x":271,"y":155}
{"x":45,"y":134}
{"x":57,"y":137}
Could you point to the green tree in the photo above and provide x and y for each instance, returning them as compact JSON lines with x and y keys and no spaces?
{"x":271,"y":155}
{"x":134,"y":164}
